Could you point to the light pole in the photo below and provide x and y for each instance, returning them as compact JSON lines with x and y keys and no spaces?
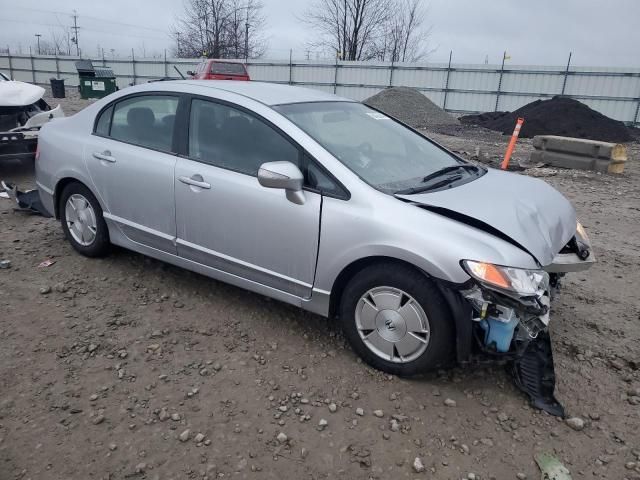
{"x":38,"y":37}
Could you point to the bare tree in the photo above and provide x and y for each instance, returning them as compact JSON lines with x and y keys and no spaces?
{"x":365,"y":29}
{"x":220,"y":29}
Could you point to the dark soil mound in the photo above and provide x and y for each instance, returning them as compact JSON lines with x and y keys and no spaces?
{"x":559,"y":116}
{"x":410,"y":106}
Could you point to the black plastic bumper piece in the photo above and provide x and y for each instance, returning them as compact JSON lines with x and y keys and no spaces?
{"x":533,"y":373}
{"x":16,"y":145}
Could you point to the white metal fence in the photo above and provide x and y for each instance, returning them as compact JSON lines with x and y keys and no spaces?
{"x":615,"y":92}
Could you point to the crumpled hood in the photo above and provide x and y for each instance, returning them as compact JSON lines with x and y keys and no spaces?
{"x":19,"y":94}
{"x":525,"y":209}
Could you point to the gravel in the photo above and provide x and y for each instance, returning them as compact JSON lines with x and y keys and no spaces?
{"x":411,"y":107}
{"x":125,"y":302}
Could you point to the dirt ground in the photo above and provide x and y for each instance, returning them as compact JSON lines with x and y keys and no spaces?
{"x":105,"y":364}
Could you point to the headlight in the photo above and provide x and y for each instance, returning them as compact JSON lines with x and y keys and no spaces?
{"x":518,"y":280}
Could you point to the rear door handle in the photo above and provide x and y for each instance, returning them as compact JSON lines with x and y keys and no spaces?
{"x":196,"y":181}
{"x":106,"y":156}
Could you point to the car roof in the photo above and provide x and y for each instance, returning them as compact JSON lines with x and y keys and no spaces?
{"x":268,"y":93}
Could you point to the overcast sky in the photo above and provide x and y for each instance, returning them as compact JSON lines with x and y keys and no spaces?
{"x":542,"y":32}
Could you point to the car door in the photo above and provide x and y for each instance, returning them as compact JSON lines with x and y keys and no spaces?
{"x":226,"y":219}
{"x":131,"y":162}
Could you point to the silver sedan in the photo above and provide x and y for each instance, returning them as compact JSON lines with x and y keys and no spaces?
{"x":320,"y":202}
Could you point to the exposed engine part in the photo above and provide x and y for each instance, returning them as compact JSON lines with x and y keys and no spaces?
{"x":16,"y":117}
{"x":22,"y":112}
{"x":518,"y":331}
{"x":499,"y":328}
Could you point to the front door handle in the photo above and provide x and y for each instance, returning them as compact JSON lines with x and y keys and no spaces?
{"x":196,"y":181}
{"x":106,"y":156}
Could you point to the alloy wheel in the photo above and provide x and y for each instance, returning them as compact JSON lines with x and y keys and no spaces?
{"x":81,"y":219}
{"x":392,"y":324}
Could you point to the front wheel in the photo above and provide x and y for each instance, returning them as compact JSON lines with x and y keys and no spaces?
{"x":397,"y":320}
{"x":82,"y":221}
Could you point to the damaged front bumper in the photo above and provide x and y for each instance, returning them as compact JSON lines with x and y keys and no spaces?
{"x":516,"y":330}
{"x":18,"y":144}
{"x":20,"y":126}
{"x":513,"y":326}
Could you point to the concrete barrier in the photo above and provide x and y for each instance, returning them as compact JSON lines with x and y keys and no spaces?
{"x":567,"y":152}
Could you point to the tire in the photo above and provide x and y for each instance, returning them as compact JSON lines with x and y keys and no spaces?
{"x":89,"y":236}
{"x":385,"y":286}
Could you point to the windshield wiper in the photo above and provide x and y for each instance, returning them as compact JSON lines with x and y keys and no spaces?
{"x":447,"y":175}
{"x":453,"y":168}
{"x":448,"y":180}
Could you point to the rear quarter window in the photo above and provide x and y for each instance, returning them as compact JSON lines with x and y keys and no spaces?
{"x":103,"y":125}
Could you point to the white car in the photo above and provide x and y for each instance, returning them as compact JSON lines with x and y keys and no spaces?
{"x":22,"y":112}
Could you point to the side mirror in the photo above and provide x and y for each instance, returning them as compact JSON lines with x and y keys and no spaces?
{"x":283,"y":175}
{"x":191,"y":73}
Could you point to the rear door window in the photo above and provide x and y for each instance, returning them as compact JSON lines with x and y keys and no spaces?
{"x":145,"y":120}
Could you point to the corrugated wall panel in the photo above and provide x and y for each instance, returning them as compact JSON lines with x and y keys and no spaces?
{"x":313,"y":74}
{"x":478,"y":80}
{"x":148,"y":70}
{"x":532,"y":83}
{"x":359,"y":80}
{"x":611,"y":86}
{"x":364,"y":76}
{"x":419,"y":78}
{"x":471,"y":102}
{"x":269,"y":73}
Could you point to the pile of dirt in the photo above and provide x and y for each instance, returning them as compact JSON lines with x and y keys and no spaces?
{"x":411,"y":107}
{"x":559,"y":116}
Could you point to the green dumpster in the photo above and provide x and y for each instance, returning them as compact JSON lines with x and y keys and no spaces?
{"x":95,"y":82}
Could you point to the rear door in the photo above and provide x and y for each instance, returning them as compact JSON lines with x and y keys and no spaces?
{"x":131,"y":162}
{"x":226,"y":219}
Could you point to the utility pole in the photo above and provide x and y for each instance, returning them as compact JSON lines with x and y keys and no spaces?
{"x":75,"y":29}
{"x":246,"y":35}
{"x":38,"y":37}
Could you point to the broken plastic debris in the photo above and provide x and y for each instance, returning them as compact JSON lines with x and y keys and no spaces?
{"x":46,"y":263}
{"x":551,"y":468}
{"x":534,"y":374}
{"x":28,"y":201}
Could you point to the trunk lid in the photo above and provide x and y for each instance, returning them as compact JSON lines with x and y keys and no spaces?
{"x":527,"y":210}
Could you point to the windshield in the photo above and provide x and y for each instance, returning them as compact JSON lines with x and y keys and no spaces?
{"x":383,"y":152}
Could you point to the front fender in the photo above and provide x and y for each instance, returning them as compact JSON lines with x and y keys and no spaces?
{"x":391,"y":228}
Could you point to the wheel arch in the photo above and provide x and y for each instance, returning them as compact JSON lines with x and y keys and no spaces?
{"x":356,"y":266}
{"x":459,"y":308}
{"x":60,"y":186}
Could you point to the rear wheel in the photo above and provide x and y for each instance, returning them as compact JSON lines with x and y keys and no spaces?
{"x":82,"y":221}
{"x":397,"y":320}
